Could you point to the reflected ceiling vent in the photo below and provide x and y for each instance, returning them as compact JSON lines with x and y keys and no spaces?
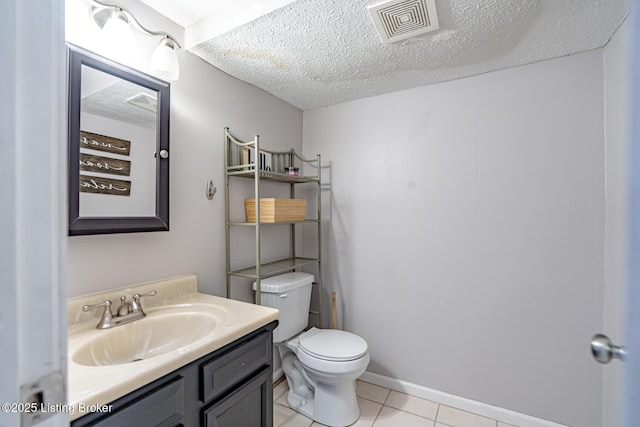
{"x":401,"y":19}
{"x":145,"y":101}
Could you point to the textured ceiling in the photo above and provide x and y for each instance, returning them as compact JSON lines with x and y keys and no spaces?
{"x":188,"y":12}
{"x":314,"y":53}
{"x":111,"y":101}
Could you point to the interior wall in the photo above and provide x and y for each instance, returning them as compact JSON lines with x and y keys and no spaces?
{"x":617,"y":106}
{"x":465,"y":233}
{"x":203,"y":101}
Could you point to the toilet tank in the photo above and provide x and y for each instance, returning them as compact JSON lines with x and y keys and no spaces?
{"x":291,"y":294}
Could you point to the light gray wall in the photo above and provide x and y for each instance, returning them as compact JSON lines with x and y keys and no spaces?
{"x":465,"y":236}
{"x":617,"y":109}
{"x":203,"y":101}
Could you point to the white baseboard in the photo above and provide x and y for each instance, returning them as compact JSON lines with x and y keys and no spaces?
{"x":501,"y":414}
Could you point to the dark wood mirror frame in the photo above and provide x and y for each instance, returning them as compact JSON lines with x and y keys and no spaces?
{"x":107,"y":225}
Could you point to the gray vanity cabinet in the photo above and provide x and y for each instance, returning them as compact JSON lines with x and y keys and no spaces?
{"x":230,"y":387}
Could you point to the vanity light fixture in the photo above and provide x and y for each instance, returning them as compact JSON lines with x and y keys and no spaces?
{"x":116,"y":20}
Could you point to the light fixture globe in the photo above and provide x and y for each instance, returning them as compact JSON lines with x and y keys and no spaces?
{"x":118,"y":38}
{"x":164,"y":61}
{"x":117,"y":29}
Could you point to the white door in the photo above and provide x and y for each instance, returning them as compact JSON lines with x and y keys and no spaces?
{"x":32,"y":212}
{"x":618,"y":85}
{"x":632,"y":365}
{"x":621,"y":381}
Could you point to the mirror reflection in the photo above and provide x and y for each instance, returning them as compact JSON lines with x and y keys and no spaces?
{"x":118,"y":121}
{"x":117,"y":146}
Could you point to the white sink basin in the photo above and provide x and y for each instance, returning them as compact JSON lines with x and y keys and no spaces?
{"x":162,"y":331}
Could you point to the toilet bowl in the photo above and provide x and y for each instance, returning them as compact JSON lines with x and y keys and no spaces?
{"x":321,"y":365}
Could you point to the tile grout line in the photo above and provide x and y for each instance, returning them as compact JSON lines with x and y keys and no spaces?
{"x":377,"y":415}
{"x":370,"y":400}
{"x":382,"y":405}
{"x":386,"y":398}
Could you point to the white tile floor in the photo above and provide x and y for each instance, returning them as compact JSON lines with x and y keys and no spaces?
{"x":381,"y":407}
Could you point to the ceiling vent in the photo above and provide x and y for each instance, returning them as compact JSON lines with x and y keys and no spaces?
{"x":401,"y":19}
{"x":145,"y":101}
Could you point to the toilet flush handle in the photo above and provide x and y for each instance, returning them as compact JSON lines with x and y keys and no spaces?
{"x":284,"y":295}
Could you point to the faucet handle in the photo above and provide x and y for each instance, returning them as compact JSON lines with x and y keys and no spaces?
{"x":137,"y":297}
{"x":135,"y":304}
{"x":106,"y":304}
{"x":105,"y":321}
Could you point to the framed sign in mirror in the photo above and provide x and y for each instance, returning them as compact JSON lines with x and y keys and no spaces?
{"x":118,"y":147}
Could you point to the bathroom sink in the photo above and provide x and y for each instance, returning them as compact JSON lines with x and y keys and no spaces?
{"x":162,"y":331}
{"x":181,"y":326}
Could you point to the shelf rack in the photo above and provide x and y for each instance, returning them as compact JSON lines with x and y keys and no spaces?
{"x":241,"y":162}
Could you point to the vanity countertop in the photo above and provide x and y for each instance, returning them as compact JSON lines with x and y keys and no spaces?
{"x":91,"y":386}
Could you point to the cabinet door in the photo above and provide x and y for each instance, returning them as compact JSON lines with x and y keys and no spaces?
{"x":159,"y":406}
{"x":250,"y":405}
{"x":229,"y":369}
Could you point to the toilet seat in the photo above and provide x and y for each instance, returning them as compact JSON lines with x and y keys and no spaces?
{"x":332,"y":345}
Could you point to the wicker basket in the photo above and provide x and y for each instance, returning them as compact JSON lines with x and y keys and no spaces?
{"x":276,"y":210}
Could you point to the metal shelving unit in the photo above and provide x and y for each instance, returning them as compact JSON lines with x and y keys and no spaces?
{"x":238,"y":164}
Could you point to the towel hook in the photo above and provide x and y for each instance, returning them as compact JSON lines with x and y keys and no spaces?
{"x":211,"y":190}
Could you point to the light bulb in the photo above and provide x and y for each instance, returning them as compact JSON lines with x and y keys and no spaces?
{"x":164,"y":61}
{"x":119,"y":37}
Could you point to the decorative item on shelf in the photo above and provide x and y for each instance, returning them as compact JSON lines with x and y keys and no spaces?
{"x":117,"y":23}
{"x":291,"y":170}
{"x":264,"y":159}
{"x":276,"y":210}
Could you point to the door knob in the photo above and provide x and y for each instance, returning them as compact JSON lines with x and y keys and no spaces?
{"x":603,"y":350}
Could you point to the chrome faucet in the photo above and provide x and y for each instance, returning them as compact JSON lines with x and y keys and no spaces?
{"x":127,"y":312}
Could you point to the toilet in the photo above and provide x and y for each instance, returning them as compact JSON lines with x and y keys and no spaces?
{"x":321,"y":365}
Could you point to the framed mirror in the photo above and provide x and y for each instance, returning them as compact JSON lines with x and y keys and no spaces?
{"x":118,"y":147}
